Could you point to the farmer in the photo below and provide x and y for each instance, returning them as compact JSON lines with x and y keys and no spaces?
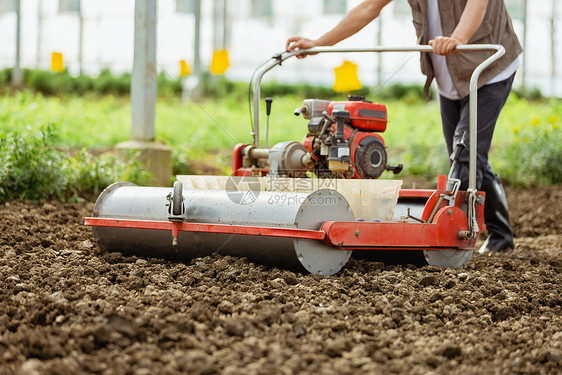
{"x":445,"y":24}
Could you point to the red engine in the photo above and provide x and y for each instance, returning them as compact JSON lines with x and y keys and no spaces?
{"x":362,"y":114}
{"x":343,"y":141}
{"x":343,"y":137}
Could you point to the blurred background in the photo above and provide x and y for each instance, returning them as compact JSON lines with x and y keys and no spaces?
{"x":98,"y":91}
{"x":97,"y":35}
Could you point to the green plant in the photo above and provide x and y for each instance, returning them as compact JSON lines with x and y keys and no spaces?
{"x":188,"y":160}
{"x":54,"y":83}
{"x":87,"y":173}
{"x":422,"y":159}
{"x":5,"y":76}
{"x":106,"y":83}
{"x":83,"y":84}
{"x":533,"y":153}
{"x":168,"y":86}
{"x":43,"y":81}
{"x":201,"y":129}
{"x":31,"y":168}
{"x":533,"y":94}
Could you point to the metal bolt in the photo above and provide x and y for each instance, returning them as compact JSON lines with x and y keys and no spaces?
{"x":356,"y":233}
{"x":449,"y":212}
{"x":463,"y":235}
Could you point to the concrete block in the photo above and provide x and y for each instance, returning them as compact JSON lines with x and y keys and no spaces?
{"x":156,"y":157}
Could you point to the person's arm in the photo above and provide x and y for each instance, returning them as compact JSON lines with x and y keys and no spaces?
{"x":471,"y":19}
{"x":355,"y":20}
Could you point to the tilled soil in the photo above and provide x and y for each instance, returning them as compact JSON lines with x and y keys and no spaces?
{"x":66,"y":308}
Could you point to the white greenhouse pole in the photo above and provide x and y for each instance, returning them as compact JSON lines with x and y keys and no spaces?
{"x":192,"y":85}
{"x":553,"y":41}
{"x":216,"y":25}
{"x":80,"y":38}
{"x":225,"y":43}
{"x":524,"y":69}
{"x":197,"y":47}
{"x":143,"y":80}
{"x":156,"y":157}
{"x":39,"y":33}
{"x":17,"y":76}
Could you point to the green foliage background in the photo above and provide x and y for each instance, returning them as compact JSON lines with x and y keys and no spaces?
{"x":48,"y":138}
{"x":31,"y":168}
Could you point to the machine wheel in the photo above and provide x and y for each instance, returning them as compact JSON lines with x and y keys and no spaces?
{"x":370,"y":158}
{"x":448,"y":258}
{"x":177,"y":198}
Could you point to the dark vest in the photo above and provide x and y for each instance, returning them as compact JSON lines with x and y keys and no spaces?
{"x":496,"y":28}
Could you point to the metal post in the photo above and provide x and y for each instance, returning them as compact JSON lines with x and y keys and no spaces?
{"x":524,"y":68}
{"x":216,"y":25}
{"x":156,"y":157}
{"x":80,"y":38}
{"x":17,"y":76}
{"x":192,"y":85}
{"x":143,"y":82}
{"x":553,"y":49}
{"x":197,"y":47}
{"x":39,"y":32}
{"x":225,"y":24}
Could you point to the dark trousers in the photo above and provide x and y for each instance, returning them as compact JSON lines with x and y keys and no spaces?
{"x":454,"y":115}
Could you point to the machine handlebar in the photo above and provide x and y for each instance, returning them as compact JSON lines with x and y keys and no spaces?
{"x":499,"y":52}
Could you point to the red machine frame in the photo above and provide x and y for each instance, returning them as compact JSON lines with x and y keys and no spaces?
{"x":440,"y":227}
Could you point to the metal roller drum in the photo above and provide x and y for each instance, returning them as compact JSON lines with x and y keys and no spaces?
{"x":269,"y":209}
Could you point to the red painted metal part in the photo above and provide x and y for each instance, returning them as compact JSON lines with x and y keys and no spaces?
{"x":238,"y":164}
{"x":441,"y":182}
{"x":424,"y":193}
{"x":308,"y":142}
{"x":439,"y":235}
{"x":237,"y":157}
{"x":364,"y":115}
{"x":409,"y":193}
{"x":432,"y":202}
{"x":245,"y":172}
{"x":177,"y":227}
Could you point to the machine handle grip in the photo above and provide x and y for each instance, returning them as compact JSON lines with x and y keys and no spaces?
{"x":268,"y":102}
{"x":459,"y":147}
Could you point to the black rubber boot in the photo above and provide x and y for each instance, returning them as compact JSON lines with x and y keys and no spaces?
{"x":496,"y":217}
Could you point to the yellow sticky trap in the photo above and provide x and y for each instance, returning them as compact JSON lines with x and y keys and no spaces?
{"x":220,"y":62}
{"x":57,"y":64}
{"x":346,"y":77}
{"x":185,"y":69}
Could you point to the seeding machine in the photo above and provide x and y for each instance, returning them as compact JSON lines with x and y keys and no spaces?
{"x":304,"y":206}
